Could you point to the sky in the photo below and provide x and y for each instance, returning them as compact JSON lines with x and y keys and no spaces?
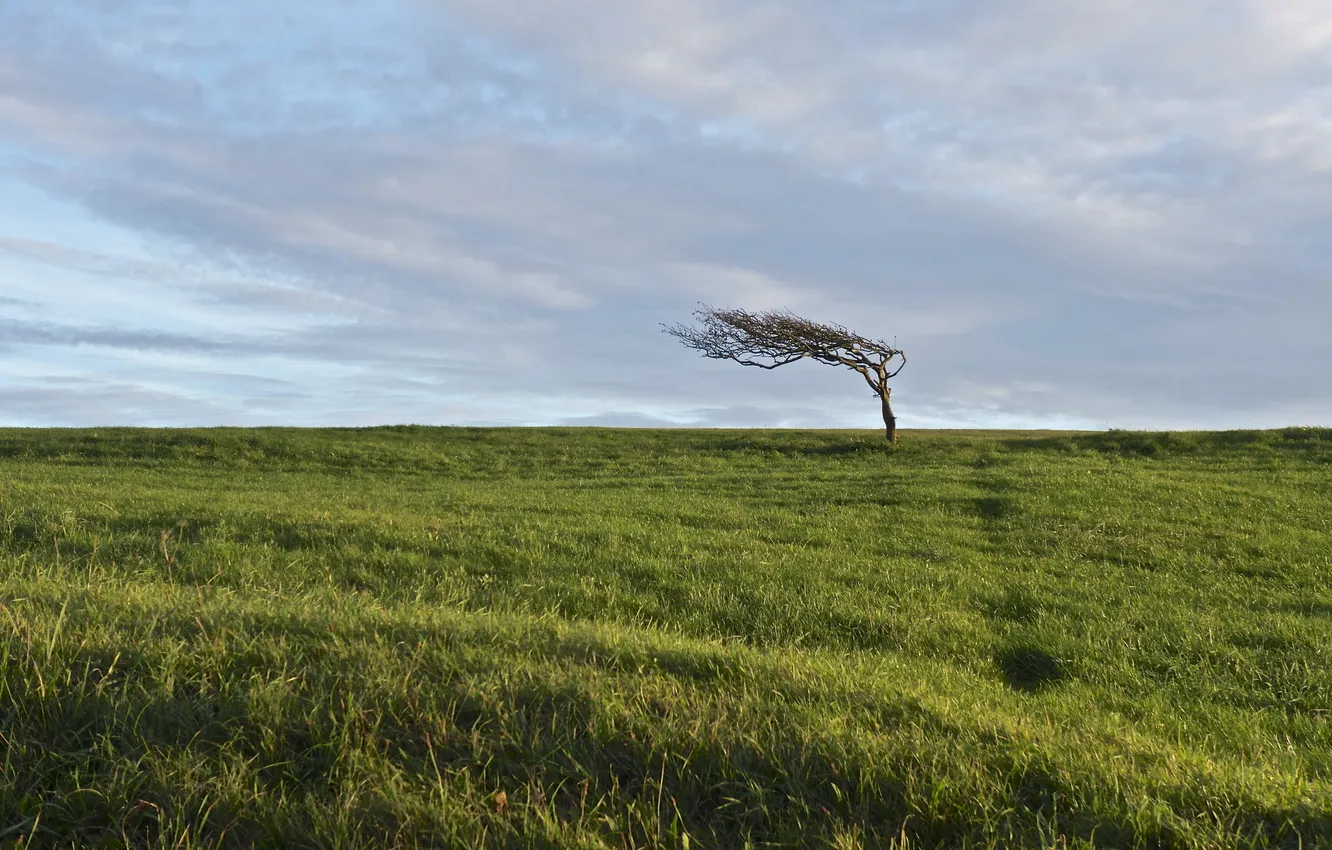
{"x":1103,"y":214}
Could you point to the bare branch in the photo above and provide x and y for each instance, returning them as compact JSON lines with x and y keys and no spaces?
{"x":777,"y":337}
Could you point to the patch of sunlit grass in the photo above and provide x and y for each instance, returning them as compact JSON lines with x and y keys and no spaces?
{"x":459,"y":637}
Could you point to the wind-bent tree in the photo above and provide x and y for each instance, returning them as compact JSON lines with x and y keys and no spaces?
{"x":778,"y":337}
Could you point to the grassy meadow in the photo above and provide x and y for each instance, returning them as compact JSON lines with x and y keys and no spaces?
{"x":439,"y":637}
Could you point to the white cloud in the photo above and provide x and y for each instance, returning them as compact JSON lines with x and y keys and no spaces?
{"x":489,"y":202}
{"x":1044,"y":104}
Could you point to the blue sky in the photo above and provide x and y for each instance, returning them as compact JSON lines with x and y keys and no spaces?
{"x":1113,"y":213}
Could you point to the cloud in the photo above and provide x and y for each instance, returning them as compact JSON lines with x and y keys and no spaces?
{"x":483,"y":211}
{"x":41,"y":333}
{"x":1070,"y":112}
{"x":100,"y":402}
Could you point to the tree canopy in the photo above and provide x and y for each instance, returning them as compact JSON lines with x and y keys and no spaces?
{"x":773,"y":338}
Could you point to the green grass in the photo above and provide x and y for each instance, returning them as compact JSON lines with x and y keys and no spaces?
{"x":599,"y":638}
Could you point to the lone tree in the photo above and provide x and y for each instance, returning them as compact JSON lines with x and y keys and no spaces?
{"x":777,"y":337}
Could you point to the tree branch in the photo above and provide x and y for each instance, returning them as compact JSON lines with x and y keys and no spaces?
{"x":777,"y":337}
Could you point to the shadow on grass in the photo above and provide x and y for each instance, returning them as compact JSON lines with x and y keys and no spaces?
{"x":1030,"y":669}
{"x":1316,"y":442}
{"x":996,"y":508}
{"x":1309,"y":608}
{"x":992,"y":508}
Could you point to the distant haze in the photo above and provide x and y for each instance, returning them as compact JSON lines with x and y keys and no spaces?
{"x":466,"y":211}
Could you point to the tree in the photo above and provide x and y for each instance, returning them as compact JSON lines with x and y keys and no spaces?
{"x":778,"y":337}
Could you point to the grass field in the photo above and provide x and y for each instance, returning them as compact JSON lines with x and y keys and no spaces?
{"x":601,"y":638}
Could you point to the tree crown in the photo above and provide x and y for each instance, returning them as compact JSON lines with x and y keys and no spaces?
{"x":775,"y":338}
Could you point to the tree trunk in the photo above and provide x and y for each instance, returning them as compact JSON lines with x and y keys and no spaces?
{"x":889,"y":420}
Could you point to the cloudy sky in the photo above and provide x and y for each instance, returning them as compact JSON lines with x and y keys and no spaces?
{"x":1109,"y":213}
